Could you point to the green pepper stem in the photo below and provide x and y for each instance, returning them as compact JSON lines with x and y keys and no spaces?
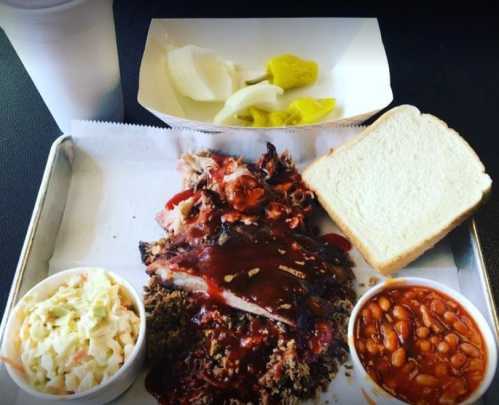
{"x":259,"y":79}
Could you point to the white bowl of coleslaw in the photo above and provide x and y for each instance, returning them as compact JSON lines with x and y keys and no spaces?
{"x":77,"y":335}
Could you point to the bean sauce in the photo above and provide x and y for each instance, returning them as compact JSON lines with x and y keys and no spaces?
{"x":420,"y":345}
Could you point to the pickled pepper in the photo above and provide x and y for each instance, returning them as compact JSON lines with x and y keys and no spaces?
{"x":308,"y":110}
{"x":278,"y":118}
{"x":302,"y":111}
{"x":289,"y":71}
{"x":259,"y":118}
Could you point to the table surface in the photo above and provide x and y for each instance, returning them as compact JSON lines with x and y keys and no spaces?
{"x":449,"y":67}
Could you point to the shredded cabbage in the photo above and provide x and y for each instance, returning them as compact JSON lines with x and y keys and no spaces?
{"x":78,"y":337}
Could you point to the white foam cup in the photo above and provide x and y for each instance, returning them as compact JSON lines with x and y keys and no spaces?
{"x":68,"y":48}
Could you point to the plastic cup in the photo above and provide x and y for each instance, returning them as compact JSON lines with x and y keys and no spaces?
{"x":68,"y":48}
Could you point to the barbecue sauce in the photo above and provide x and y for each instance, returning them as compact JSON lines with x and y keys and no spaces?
{"x":339,"y":241}
{"x":276,"y":273}
{"x":246,"y":349}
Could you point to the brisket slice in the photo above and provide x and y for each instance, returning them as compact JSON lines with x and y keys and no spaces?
{"x":285,"y":277}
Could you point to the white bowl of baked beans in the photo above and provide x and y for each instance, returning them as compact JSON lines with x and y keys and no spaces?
{"x":416,"y":341}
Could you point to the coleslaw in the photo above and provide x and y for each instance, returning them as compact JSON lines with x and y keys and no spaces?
{"x":79,"y":336}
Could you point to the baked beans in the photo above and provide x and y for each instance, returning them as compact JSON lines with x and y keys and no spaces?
{"x":420,"y":345}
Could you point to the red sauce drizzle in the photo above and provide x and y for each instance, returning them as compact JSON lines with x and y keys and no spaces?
{"x":179,"y":197}
{"x":277,"y":274}
{"x":322,"y":339}
{"x":339,"y":241}
{"x":214,"y":291}
{"x":246,"y":348}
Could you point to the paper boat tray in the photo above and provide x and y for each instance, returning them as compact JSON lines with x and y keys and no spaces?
{"x":350,"y":53}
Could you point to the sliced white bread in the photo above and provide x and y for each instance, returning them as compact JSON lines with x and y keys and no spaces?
{"x":400,"y":186}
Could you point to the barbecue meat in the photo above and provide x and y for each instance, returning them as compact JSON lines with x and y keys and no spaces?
{"x":259,"y":271}
{"x":239,"y":235}
{"x":246,"y":303}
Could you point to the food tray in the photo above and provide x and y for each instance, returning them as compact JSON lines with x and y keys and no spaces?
{"x":91,"y":172}
{"x":353,"y":67}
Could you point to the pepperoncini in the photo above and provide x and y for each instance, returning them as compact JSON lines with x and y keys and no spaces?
{"x":302,"y":111}
{"x":259,"y":117}
{"x":255,"y":117}
{"x":262,"y":95}
{"x":278,"y":118}
{"x":308,"y":110}
{"x":289,"y":71}
{"x":305,"y":110}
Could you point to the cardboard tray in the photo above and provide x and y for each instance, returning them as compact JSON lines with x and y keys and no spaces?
{"x":350,"y":53}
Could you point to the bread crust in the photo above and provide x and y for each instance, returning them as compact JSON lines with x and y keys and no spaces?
{"x":401,"y":260}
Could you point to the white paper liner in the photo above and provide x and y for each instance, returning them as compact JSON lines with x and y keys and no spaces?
{"x":124,"y":174}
